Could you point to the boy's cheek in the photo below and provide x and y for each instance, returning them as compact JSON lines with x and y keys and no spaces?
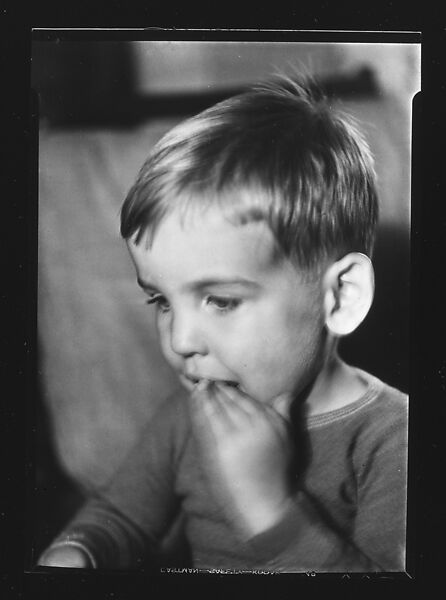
{"x":270,"y":376}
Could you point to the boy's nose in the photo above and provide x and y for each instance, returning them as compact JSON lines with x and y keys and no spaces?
{"x":186,"y":337}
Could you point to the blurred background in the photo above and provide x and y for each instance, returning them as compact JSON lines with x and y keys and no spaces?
{"x":102,"y":105}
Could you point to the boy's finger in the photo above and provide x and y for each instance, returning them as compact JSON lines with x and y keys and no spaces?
{"x":232,"y":403}
{"x":199,"y":414}
{"x":211,"y":404}
{"x":203,"y":398}
{"x":231,"y":415}
{"x":242,"y":401}
{"x":274,"y":414}
{"x":209,"y":421}
{"x":207,"y":408}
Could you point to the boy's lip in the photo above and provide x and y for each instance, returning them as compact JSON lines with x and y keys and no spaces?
{"x":196,"y":379}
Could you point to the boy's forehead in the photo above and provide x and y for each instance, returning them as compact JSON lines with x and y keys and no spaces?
{"x":207,"y":243}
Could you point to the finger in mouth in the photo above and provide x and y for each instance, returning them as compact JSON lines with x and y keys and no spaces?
{"x":203,"y":383}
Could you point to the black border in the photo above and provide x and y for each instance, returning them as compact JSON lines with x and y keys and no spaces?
{"x":427,"y":357}
{"x":227,"y":35}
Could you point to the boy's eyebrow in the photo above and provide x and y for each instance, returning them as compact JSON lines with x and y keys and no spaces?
{"x":208,"y":282}
{"x":222,"y":281}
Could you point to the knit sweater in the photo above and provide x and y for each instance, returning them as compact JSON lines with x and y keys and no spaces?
{"x":348,"y":512}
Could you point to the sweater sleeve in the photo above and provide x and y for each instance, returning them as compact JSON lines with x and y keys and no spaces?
{"x":122,"y":525}
{"x":381,"y":467}
{"x":308,"y":538}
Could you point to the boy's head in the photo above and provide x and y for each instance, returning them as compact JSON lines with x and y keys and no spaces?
{"x":240,"y":222}
{"x":307,"y":171}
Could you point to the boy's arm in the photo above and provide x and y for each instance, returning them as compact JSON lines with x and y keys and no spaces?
{"x":122,"y":525}
{"x":247,"y":455}
{"x":307,"y":535}
{"x":98,"y":536}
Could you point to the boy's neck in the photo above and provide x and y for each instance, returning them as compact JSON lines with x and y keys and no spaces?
{"x":336,"y":385}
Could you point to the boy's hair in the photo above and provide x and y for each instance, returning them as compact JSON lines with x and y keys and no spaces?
{"x":278,"y":153}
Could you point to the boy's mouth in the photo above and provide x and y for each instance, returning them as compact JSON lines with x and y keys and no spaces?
{"x":194,"y":381}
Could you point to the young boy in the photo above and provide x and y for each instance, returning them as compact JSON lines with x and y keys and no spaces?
{"x":250,"y":227}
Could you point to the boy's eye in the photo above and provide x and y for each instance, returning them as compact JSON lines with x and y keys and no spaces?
{"x":160,"y":302}
{"x":222,"y":303}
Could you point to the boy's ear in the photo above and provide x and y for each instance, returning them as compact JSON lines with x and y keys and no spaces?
{"x":349,"y":286}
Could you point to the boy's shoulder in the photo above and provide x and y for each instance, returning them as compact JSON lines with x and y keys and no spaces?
{"x":371,"y":431}
{"x":380,"y":409}
{"x":386,"y":407}
{"x":384,"y":399}
{"x":382,"y":416}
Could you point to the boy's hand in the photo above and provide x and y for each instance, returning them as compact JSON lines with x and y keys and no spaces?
{"x":65,"y":556}
{"x":248,"y":450}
